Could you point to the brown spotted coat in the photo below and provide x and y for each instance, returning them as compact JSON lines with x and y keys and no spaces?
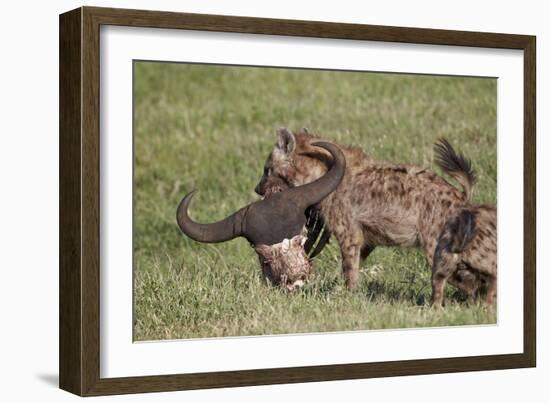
{"x":380,"y":203}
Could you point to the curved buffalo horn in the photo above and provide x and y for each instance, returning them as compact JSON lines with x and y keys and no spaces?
{"x":221,"y":231}
{"x":316,"y":191}
{"x":271,"y":220}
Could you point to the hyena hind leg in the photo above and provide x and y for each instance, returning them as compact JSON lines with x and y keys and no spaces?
{"x":457,"y":233}
{"x":444,"y":265}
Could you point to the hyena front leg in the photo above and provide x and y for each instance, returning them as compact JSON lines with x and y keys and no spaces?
{"x":350,"y":240}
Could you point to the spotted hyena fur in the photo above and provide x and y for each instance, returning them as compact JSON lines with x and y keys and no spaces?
{"x":466,"y":254}
{"x":380,"y":203}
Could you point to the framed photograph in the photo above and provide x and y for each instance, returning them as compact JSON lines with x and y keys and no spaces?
{"x":249,"y":201}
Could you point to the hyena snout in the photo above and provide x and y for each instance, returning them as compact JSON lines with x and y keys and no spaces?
{"x":259,"y":189}
{"x":270,"y":184}
{"x":261,"y":186}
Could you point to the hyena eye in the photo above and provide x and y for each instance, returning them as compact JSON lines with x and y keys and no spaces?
{"x":267,"y":171}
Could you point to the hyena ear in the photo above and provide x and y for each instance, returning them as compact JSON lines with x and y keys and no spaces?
{"x":286,"y":141}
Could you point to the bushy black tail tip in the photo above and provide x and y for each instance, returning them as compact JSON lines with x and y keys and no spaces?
{"x":451,"y":161}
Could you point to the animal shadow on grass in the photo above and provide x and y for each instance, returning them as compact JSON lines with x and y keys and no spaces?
{"x":327,"y":287}
{"x":412,"y":289}
{"x":406,"y":291}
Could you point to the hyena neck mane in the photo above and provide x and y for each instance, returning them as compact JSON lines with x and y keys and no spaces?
{"x":307,"y":163}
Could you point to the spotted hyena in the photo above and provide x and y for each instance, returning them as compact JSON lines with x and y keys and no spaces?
{"x":380,"y":203}
{"x":465,"y":254}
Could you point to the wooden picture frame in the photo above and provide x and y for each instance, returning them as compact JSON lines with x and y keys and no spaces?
{"x":79,"y":346}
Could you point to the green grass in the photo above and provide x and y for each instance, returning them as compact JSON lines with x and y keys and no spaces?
{"x":211,"y":128}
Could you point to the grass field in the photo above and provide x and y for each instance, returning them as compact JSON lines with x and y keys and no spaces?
{"x":210,"y":128}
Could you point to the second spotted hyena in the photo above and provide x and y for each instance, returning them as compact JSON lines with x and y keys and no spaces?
{"x":379,"y":203}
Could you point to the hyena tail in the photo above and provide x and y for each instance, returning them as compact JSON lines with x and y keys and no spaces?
{"x":459,"y":231}
{"x":456,"y":165}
